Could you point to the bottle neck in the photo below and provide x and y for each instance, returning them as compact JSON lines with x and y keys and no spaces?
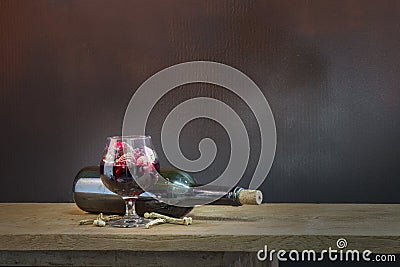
{"x":230,"y":199}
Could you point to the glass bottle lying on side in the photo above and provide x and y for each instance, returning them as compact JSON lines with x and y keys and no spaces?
{"x":92,"y":196}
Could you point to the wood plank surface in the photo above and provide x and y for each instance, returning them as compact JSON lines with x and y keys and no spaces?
{"x":133,"y":258}
{"x":44,"y":226}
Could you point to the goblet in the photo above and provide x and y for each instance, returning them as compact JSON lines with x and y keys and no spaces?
{"x":128,"y":167}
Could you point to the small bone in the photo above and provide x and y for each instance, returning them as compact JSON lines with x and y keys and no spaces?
{"x":187,"y":220}
{"x":109,"y":217}
{"x":87,"y":221}
{"x":154,"y":222}
{"x":101,"y":220}
{"x":154,"y":215}
{"x":99,"y":223}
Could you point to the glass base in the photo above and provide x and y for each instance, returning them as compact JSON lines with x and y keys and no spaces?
{"x":130,"y":221}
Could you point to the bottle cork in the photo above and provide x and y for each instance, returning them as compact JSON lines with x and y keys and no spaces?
{"x":250,"y":197}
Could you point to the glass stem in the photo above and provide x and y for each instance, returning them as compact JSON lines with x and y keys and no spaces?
{"x":130,"y":206}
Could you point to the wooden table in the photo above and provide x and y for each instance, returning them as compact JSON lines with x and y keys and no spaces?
{"x":49,"y":234}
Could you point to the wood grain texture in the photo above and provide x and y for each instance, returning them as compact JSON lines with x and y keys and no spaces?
{"x":132,"y":258}
{"x":36,"y":227}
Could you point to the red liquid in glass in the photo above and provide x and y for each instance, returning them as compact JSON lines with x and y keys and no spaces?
{"x":118,"y":178}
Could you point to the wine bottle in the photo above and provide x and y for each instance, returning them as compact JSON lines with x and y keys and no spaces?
{"x":92,"y":196}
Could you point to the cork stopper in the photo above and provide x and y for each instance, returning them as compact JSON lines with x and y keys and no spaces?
{"x":250,"y":197}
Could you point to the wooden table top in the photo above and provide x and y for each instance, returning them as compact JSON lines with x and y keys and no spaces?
{"x":55,"y":226}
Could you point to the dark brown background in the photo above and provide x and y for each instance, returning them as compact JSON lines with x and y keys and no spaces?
{"x":329,"y":69}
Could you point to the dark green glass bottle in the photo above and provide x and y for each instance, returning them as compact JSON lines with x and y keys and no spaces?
{"x":92,"y":196}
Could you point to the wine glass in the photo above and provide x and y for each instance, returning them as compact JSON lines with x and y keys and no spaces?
{"x":128,"y":167}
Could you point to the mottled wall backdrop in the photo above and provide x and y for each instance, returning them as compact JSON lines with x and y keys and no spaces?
{"x":329,"y":69}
